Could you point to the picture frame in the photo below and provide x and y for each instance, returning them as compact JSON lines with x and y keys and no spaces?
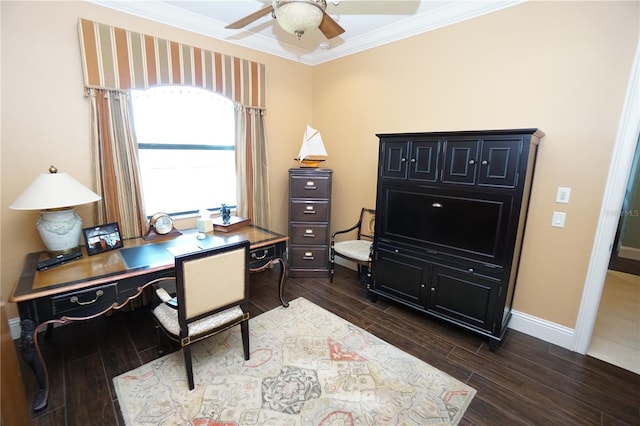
{"x":102,"y":238}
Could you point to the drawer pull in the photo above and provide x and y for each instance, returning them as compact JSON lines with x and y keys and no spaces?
{"x":309,"y":210}
{"x":436,"y":205}
{"x":308,"y":256}
{"x":264,"y":254}
{"x":74,"y":299}
{"x":308,"y":233}
{"x":311,"y":185}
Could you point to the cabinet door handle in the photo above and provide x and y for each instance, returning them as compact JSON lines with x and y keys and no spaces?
{"x":436,"y":205}
{"x":472,"y":162}
{"x":74,"y":299}
{"x":404,"y":160}
{"x":484,"y":162}
{"x":413,"y":160}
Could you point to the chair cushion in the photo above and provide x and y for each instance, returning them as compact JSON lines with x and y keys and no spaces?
{"x":355,"y":249}
{"x":168,"y":317}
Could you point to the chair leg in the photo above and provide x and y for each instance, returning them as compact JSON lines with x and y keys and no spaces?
{"x":186,"y":351}
{"x":332,"y":261}
{"x":244,"y":330}
{"x":159,"y":340}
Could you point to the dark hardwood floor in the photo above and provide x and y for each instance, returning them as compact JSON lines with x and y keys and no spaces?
{"x":526,"y":381}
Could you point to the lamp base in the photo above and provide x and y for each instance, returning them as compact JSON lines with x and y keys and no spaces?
{"x":60,"y":230}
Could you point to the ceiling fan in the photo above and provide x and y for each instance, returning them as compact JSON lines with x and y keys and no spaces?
{"x":296,"y":17}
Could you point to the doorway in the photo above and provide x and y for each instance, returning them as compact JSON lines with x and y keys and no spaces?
{"x":619,"y":171}
{"x":625,"y":255}
{"x":616,"y":333}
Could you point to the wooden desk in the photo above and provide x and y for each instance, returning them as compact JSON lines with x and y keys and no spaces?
{"x":91,"y":286}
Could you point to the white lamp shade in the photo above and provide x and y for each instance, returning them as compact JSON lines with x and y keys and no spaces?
{"x":298,"y":17}
{"x":53,"y":191}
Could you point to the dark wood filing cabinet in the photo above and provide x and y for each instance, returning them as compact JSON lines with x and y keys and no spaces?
{"x":309,"y":219}
{"x":451,"y":209}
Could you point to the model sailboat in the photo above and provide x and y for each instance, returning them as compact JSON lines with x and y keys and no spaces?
{"x":312,"y":151}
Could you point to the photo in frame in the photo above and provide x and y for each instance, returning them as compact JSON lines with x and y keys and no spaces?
{"x":99,"y":239}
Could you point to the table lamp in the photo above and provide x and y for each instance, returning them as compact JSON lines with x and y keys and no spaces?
{"x":56,"y":195}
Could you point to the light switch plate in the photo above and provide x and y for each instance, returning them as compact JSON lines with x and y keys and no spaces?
{"x":558,"y":219}
{"x":562,"y":196}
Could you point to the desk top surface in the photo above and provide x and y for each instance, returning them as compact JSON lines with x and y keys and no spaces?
{"x":137,"y":257}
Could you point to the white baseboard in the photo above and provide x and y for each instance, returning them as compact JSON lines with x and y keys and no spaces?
{"x":542,"y":329}
{"x":14,"y":327}
{"x":629,"y":253}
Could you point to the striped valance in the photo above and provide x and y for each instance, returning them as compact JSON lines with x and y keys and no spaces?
{"x":114,"y":58}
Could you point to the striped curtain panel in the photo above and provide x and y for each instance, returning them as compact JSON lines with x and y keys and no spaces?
{"x":252,"y":174}
{"x":115,"y":163}
{"x":115,"y":58}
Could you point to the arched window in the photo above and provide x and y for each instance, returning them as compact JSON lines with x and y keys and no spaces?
{"x":186,"y":148}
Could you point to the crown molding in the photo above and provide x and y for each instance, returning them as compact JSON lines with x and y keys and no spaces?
{"x":451,"y":12}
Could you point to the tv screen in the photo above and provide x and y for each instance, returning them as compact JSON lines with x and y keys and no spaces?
{"x":445,"y":222}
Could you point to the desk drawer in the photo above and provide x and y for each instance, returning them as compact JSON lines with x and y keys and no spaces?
{"x":260,"y":256}
{"x":85,"y":302}
{"x":309,"y":211}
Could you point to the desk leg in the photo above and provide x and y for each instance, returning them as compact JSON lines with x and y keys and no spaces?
{"x":283,"y":276}
{"x":34,"y":359}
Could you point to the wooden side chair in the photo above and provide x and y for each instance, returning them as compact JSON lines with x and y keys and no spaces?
{"x":211,"y":286}
{"x":359,"y":248}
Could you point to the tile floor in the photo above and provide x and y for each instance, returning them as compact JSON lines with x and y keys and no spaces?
{"x":616,"y":334}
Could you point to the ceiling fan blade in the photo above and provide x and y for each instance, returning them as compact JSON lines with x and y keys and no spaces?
{"x":329,"y":27}
{"x":249,"y":18}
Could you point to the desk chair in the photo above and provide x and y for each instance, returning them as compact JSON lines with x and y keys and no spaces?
{"x":356,"y":250}
{"x":211,"y":285}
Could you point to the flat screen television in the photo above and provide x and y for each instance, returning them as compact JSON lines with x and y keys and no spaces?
{"x":456,"y":223}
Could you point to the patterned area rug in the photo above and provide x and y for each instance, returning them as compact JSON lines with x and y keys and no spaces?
{"x":307,"y":367}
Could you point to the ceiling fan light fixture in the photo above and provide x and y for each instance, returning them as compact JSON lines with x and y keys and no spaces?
{"x":299,"y":16}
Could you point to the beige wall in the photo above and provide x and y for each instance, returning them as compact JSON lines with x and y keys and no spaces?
{"x":526,"y":66}
{"x":45,"y":116}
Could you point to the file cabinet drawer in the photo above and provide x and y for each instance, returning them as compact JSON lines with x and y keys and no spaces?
{"x":309,"y":211}
{"x":311,"y":257}
{"x":309,"y":234}
{"x":310,"y":187}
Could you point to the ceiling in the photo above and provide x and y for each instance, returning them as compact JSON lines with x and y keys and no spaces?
{"x":368,"y":23}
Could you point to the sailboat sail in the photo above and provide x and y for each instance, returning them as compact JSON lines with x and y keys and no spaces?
{"x":311,"y":144}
